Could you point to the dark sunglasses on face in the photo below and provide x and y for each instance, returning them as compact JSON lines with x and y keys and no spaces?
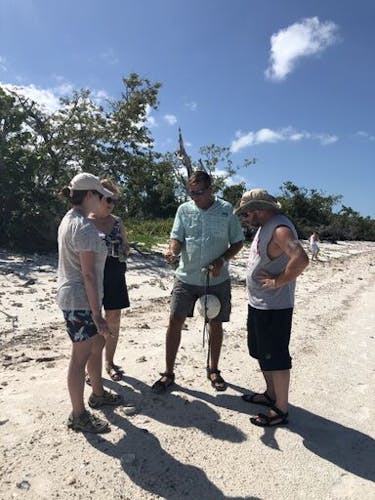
{"x":99,"y":194}
{"x":245,"y":214}
{"x":111,"y":201}
{"x":198,"y":192}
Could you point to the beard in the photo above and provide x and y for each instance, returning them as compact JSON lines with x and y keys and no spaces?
{"x":255,"y":222}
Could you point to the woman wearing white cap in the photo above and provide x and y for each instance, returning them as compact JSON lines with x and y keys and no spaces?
{"x":82,"y":255}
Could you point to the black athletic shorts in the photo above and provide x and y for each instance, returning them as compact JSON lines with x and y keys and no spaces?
{"x":268,"y":335}
{"x":115,"y":289}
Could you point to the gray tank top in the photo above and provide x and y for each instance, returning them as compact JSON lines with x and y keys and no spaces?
{"x":271,"y":298}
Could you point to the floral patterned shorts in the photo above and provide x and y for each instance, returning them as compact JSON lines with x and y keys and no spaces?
{"x":80,"y":325}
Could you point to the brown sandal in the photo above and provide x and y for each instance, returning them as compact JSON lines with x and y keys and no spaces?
{"x":115,"y":372}
{"x":218,"y":382}
{"x":161,"y":386}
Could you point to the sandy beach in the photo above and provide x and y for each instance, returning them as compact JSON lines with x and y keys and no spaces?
{"x":192,"y":443}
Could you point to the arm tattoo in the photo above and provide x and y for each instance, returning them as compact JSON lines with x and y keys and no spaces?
{"x":294,"y":244}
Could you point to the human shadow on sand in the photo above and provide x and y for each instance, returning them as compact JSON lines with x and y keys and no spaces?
{"x":174,"y":410}
{"x":25,"y":267}
{"x":343,"y":446}
{"x":151,"y":264}
{"x":152,"y":468}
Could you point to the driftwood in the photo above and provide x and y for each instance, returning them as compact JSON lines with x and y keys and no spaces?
{"x":183,"y":156}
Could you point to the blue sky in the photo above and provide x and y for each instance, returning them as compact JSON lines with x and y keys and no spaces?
{"x":289,"y":82}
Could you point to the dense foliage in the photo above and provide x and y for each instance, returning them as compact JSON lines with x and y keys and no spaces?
{"x":311,"y":211}
{"x":40,"y":152}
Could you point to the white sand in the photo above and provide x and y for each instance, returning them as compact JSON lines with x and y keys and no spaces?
{"x":192,"y":443}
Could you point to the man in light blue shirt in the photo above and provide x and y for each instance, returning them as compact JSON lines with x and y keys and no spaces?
{"x":205,"y":235}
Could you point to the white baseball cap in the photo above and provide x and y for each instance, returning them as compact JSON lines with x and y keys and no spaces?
{"x":209,"y":306}
{"x":88,"y":182}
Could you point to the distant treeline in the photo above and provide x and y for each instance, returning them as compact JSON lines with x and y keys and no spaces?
{"x":311,"y":210}
{"x":40,"y":152}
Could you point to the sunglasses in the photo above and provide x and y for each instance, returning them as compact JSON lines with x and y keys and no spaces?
{"x":97,"y":192}
{"x":111,"y":201}
{"x":198,"y":192}
{"x":245,"y":214}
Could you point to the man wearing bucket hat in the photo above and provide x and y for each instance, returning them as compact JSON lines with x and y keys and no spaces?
{"x":205,"y":234}
{"x":276,"y":259}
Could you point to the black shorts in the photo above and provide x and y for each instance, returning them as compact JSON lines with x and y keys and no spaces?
{"x":268,"y":335}
{"x":115,"y":289}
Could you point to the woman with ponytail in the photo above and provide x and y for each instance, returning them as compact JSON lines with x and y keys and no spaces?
{"x":82,"y":255}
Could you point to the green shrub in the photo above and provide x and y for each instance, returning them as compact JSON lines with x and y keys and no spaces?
{"x":147,"y":233}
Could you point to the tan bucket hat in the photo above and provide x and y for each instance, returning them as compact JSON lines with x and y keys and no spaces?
{"x":257,"y":199}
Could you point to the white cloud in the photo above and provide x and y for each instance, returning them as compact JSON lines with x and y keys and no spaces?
{"x":46,"y":98}
{"x":3,"y":64}
{"x":63,"y":89}
{"x":171,"y":119}
{"x":149,"y":120}
{"x":325,"y":139}
{"x":49,"y":99}
{"x":100,"y":96}
{"x":191,"y":105}
{"x":109,"y":56}
{"x":305,"y":38}
{"x":266,"y":135}
{"x":365,"y":135}
{"x":235,"y":179}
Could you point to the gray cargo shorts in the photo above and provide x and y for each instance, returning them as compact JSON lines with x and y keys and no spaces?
{"x":184,"y":297}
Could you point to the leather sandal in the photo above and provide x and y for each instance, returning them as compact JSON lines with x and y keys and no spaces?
{"x":218,"y":382}
{"x":115,"y":372}
{"x":263,"y":420}
{"x":251,"y":398}
{"x":161,"y":386}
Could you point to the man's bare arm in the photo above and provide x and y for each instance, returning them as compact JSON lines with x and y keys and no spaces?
{"x":232,"y":250}
{"x":228,"y":254}
{"x":298,"y":259}
{"x":173,"y":250}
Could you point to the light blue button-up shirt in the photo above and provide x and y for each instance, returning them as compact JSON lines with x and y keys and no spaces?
{"x":204,"y":235}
